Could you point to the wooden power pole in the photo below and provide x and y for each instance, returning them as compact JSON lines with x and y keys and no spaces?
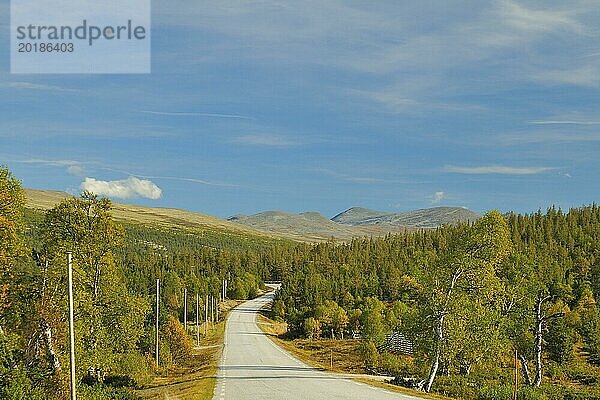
{"x":516,"y":374}
{"x":157,"y":305}
{"x":71,"y":327}
{"x":214,"y":319}
{"x":206,"y":317}
{"x":185,"y":309}
{"x":197,"y":321}
{"x":217,"y":309}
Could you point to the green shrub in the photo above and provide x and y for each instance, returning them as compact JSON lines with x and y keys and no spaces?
{"x":390,"y":364}
{"x":135,"y":368}
{"x":278,"y":310}
{"x":581,"y":372}
{"x":17,"y":386}
{"x":532,"y":393}
{"x":498,"y":392}
{"x":455,"y":386}
{"x":370,"y":355}
{"x":398,"y":365}
{"x":100,"y":392}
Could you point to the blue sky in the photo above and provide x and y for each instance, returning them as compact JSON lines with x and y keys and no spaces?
{"x":322,"y":106}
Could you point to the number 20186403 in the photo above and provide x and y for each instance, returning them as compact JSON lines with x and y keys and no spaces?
{"x":45,"y":47}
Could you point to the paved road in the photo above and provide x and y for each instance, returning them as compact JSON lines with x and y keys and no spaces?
{"x":253,"y":367}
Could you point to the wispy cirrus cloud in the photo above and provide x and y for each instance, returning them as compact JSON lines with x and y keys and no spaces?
{"x":563,"y":122}
{"x":270,"y":140}
{"x":548,"y":137}
{"x":196,"y":114}
{"x":192,"y":180}
{"x":496,"y":169}
{"x":72,"y":167}
{"x":172,"y":178}
{"x":540,"y":20}
{"x":50,"y":163}
{"x":35,"y":86}
{"x":351,"y":178}
{"x":586,"y":76}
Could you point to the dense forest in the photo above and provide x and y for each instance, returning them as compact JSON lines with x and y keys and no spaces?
{"x":468,"y":297}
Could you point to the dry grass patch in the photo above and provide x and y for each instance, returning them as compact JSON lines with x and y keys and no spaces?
{"x":332,"y":355}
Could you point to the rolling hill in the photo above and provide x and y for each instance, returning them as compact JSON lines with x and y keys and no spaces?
{"x":310,"y":226}
{"x":270,"y":225}
{"x":151,"y":216}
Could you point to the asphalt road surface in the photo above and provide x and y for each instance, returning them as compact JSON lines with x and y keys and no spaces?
{"x":253,"y":367}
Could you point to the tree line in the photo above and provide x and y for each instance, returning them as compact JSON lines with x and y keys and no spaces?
{"x":467,"y":296}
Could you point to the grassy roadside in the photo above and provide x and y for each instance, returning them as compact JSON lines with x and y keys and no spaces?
{"x":331,"y":355}
{"x":339,"y":356}
{"x":196,"y":379}
{"x":402,"y":390}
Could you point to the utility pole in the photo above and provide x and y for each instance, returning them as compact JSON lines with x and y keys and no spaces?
{"x":214,"y":302}
{"x":157,"y":304}
{"x":197,"y":321}
{"x":516,"y":374}
{"x":71,"y":327}
{"x":185,"y":309}
{"x":206,"y":317}
{"x":331,"y":359}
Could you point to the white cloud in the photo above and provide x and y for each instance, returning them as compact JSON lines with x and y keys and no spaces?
{"x":266,"y":140}
{"x":76,"y":170}
{"x":124,"y":189}
{"x":438,"y":197}
{"x":496,"y":169}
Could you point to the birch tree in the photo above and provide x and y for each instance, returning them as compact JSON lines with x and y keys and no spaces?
{"x":453,"y":281}
{"x":538,"y":290}
{"x":108,"y":320}
{"x":12,"y":203}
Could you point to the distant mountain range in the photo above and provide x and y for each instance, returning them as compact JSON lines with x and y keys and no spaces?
{"x":308,"y":226}
{"x":424,"y":218}
{"x":354,"y":222}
